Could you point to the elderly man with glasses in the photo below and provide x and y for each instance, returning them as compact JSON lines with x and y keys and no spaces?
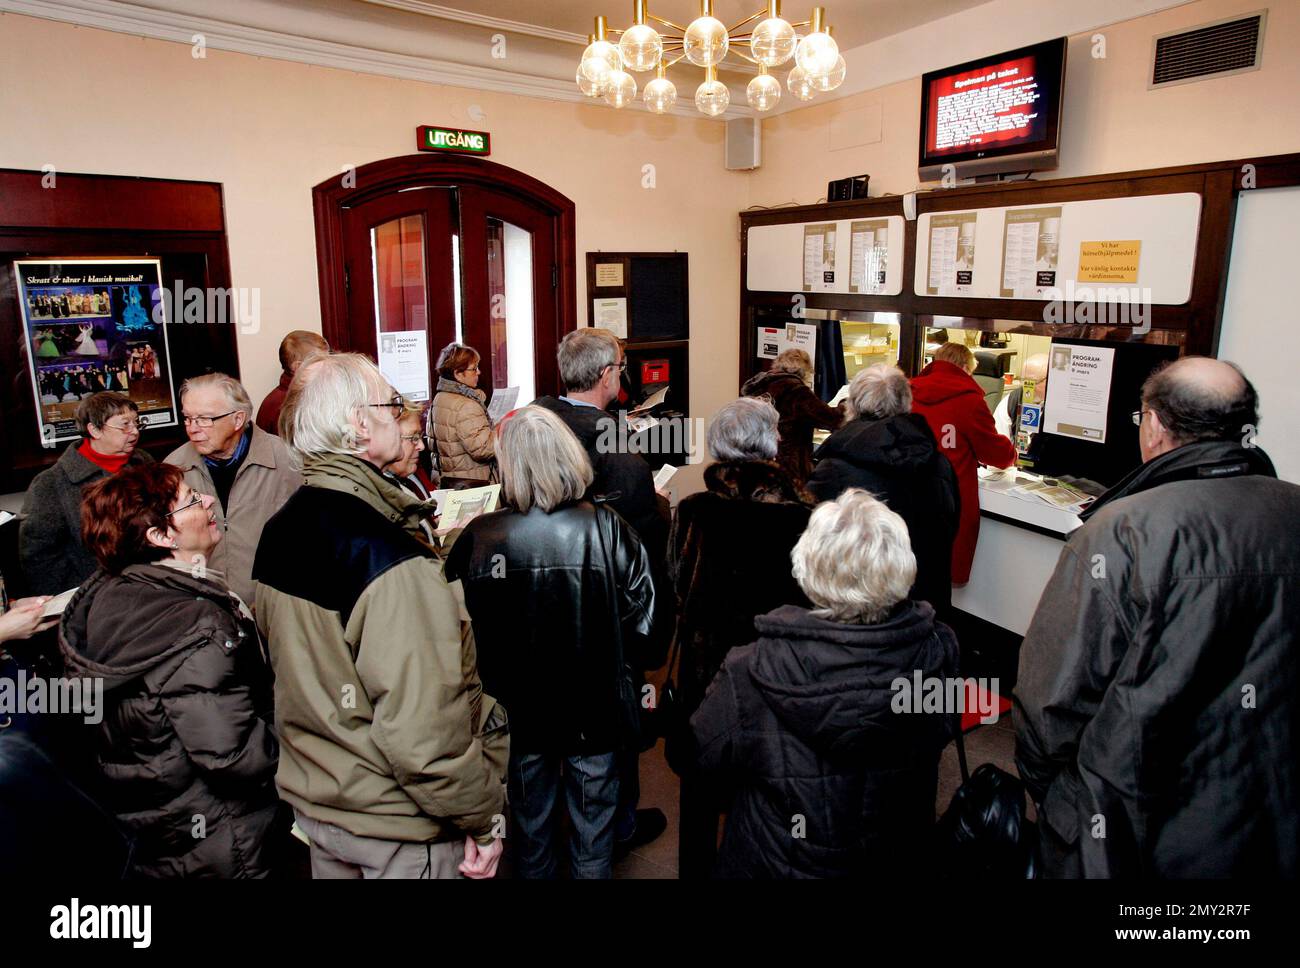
{"x":250,"y":473}
{"x":49,"y":541}
{"x":391,"y":755}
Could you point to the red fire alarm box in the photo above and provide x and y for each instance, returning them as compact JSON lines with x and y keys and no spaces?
{"x":654,"y":371}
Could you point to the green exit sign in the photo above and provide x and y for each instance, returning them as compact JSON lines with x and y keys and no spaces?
{"x":433,"y":138}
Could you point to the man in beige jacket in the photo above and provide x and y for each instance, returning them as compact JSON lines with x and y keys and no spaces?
{"x":391,"y":755}
{"x":250,"y":472}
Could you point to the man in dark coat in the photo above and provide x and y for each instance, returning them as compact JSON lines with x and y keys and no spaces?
{"x":786,"y":384}
{"x":1156,"y":710}
{"x":830,"y":756}
{"x":591,"y":362}
{"x":888,"y":450}
{"x":730,"y":551}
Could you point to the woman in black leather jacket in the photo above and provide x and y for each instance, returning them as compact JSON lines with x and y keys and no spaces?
{"x":561,"y":598}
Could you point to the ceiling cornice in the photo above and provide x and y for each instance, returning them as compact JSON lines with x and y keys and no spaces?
{"x":479,"y":20}
{"x":180,"y":28}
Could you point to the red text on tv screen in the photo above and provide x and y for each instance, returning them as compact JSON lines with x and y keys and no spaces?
{"x":992,"y":106}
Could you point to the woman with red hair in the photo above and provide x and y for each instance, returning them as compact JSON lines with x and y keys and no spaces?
{"x":184,"y":746}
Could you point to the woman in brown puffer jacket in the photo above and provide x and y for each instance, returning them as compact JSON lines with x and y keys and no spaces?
{"x":788,"y":384}
{"x":458,"y":419}
{"x":183,"y":747}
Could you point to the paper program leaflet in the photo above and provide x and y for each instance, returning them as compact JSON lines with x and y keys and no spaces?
{"x":1078,"y":391}
{"x":1030,"y":252}
{"x":819,"y":258}
{"x":773,"y":340}
{"x":460,"y":505}
{"x":610,"y":314}
{"x":502,"y":402}
{"x":952,"y":254}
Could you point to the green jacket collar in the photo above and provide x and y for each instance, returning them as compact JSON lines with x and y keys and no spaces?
{"x":361,"y":479}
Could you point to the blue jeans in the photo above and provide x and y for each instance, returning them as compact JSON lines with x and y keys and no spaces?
{"x":591,"y":793}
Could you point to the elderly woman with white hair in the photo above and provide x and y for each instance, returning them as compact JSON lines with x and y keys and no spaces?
{"x":806,"y":727}
{"x":561,"y":597}
{"x":730,"y":561}
{"x":886,"y":449}
{"x":789,"y":385}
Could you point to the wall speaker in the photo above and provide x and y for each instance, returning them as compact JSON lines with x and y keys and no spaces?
{"x":744,"y":144}
{"x":847,"y":189}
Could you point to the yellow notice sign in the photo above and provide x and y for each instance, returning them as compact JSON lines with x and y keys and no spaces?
{"x":1111,"y":261}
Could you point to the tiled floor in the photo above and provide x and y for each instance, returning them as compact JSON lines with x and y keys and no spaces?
{"x":994,"y":743}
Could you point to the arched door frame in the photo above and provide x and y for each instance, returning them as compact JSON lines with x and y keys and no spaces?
{"x":331,"y":197}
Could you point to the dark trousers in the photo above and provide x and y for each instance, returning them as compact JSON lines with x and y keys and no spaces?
{"x":697,"y":830}
{"x":589,"y":787}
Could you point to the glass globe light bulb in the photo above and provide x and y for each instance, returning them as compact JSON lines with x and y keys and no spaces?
{"x":830,"y":81}
{"x":705,"y":41}
{"x":712,"y":98}
{"x":640,"y":47}
{"x":587,"y":86}
{"x":621,"y":89}
{"x":599,"y":60}
{"x":763,"y":92}
{"x":773,"y":42}
{"x":800,"y":85}
{"x":660,"y":95}
{"x":816,"y":53}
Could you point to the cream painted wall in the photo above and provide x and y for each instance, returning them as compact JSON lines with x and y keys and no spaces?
{"x":1112,"y":122}
{"x":88,"y":100}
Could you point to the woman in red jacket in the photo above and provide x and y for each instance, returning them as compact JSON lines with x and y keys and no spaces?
{"x":952,"y":403}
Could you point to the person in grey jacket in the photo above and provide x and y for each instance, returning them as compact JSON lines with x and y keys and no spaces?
{"x":49,"y":538}
{"x":250,"y":472}
{"x":1156,"y":709}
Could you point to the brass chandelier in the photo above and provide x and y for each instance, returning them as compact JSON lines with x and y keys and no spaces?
{"x":606,"y":66}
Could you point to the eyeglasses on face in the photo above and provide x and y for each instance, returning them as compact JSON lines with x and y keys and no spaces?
{"x":198,"y":499}
{"x":205,"y":422}
{"x":1137,"y":417}
{"x":397,"y":405}
{"x":620,"y":366}
{"x":412,"y":438}
{"x":139,"y":423}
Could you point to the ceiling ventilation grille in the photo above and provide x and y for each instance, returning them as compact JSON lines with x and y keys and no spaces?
{"x":1225,"y":47}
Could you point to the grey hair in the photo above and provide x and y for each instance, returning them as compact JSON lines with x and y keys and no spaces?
{"x":583,"y":356}
{"x":326,"y":392}
{"x":854,"y":559}
{"x":795,"y":361}
{"x":99,"y":408}
{"x":878,"y":392}
{"x":744,"y":429}
{"x":236,"y":395}
{"x":542,"y":463}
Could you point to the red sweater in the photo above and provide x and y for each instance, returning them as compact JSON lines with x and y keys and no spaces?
{"x":952,"y":403}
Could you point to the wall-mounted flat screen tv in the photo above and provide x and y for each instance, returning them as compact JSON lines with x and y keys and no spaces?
{"x":994,"y":115}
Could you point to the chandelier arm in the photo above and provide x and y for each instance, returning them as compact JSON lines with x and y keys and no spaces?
{"x":742,"y":56}
{"x":666,"y":23}
{"x":752,"y":16}
{"x":673,"y":61}
{"x":802,"y":23}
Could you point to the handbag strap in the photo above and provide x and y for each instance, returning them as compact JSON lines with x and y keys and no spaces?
{"x":961,"y":752}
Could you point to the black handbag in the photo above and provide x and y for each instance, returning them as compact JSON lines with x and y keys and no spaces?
{"x":984,"y":834}
{"x":667,"y":717}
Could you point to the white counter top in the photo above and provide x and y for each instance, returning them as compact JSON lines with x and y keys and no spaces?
{"x":996,"y":498}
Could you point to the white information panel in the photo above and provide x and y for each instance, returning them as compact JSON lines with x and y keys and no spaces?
{"x":858,"y":256}
{"x":1137,"y":249}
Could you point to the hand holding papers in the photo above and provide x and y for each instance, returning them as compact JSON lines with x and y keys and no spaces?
{"x":651,"y":401}
{"x":503,"y":401}
{"x":459,"y":507}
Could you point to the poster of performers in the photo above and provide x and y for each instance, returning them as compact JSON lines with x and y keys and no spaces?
{"x":91,"y":325}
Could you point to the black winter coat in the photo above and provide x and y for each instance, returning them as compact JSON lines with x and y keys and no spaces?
{"x":897,"y":460}
{"x":730,"y":561}
{"x":801,"y":412}
{"x":554,"y":599}
{"x":826,"y":779}
{"x":1158,"y":683}
{"x":187,"y":720}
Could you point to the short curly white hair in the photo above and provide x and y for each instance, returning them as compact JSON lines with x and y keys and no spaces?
{"x":854,"y":560}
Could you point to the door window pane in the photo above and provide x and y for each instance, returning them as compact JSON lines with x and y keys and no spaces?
{"x":510,"y":307}
{"x":397,"y":250}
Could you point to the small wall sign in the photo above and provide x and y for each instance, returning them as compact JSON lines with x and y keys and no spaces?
{"x":430,"y":137}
